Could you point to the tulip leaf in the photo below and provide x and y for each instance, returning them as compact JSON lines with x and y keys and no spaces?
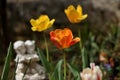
{"x":74,"y":72}
{"x":44,"y":60}
{"x":57,"y":74}
{"x":6,"y":67}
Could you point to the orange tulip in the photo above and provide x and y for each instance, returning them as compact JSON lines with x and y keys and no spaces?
{"x":63,"y":38}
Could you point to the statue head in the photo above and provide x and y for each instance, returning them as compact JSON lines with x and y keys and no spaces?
{"x":19,"y":47}
{"x":30,"y":46}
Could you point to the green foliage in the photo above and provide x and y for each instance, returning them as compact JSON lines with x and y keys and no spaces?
{"x":44,"y":60}
{"x":7,"y":64}
{"x":57,"y":73}
{"x":89,"y":49}
{"x":74,"y":71}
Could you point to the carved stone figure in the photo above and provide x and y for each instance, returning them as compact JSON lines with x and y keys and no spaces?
{"x":27,"y":57}
{"x":20,"y":49}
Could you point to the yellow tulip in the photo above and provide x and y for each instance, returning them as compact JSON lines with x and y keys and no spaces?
{"x":75,"y":15}
{"x":42,"y":23}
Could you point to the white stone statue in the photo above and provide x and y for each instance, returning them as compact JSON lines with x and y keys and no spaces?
{"x":20,"y":49}
{"x":26,"y":53}
{"x":30,"y":49}
{"x":30,"y":46}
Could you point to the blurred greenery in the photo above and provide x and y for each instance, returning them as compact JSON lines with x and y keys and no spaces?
{"x":93,"y":44}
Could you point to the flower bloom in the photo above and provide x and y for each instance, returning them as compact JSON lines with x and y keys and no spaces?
{"x":93,"y":73}
{"x":42,"y":23}
{"x":63,"y":38}
{"x":75,"y":15}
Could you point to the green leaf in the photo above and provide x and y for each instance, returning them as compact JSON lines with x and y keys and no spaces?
{"x":7,"y":64}
{"x":57,"y":74}
{"x":44,"y":60}
{"x":74,"y":72}
{"x":60,"y":69}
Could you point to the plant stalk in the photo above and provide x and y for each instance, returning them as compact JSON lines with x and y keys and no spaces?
{"x":65,"y":71}
{"x":46,"y":47}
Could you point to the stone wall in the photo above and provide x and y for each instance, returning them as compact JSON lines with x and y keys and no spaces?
{"x":105,"y":12}
{"x":101,"y":13}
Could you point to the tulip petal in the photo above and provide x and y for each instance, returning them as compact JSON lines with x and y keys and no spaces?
{"x":74,"y":41}
{"x":65,"y":42}
{"x":79,"y":10}
{"x":55,"y":39}
{"x":33,"y":22}
{"x":56,"y":42}
{"x":43,"y":18}
{"x":69,"y":9}
{"x":83,"y":17}
{"x":72,"y":16}
{"x":93,"y":73}
{"x":51,"y":23}
{"x":34,"y":29}
{"x":59,"y":33}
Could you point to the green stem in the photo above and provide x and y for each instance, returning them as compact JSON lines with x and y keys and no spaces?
{"x":47,"y":52}
{"x":49,"y":76}
{"x":84,"y":60}
{"x":83,"y":54}
{"x":91,"y":57}
{"x":64,"y":57}
{"x":46,"y":47}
